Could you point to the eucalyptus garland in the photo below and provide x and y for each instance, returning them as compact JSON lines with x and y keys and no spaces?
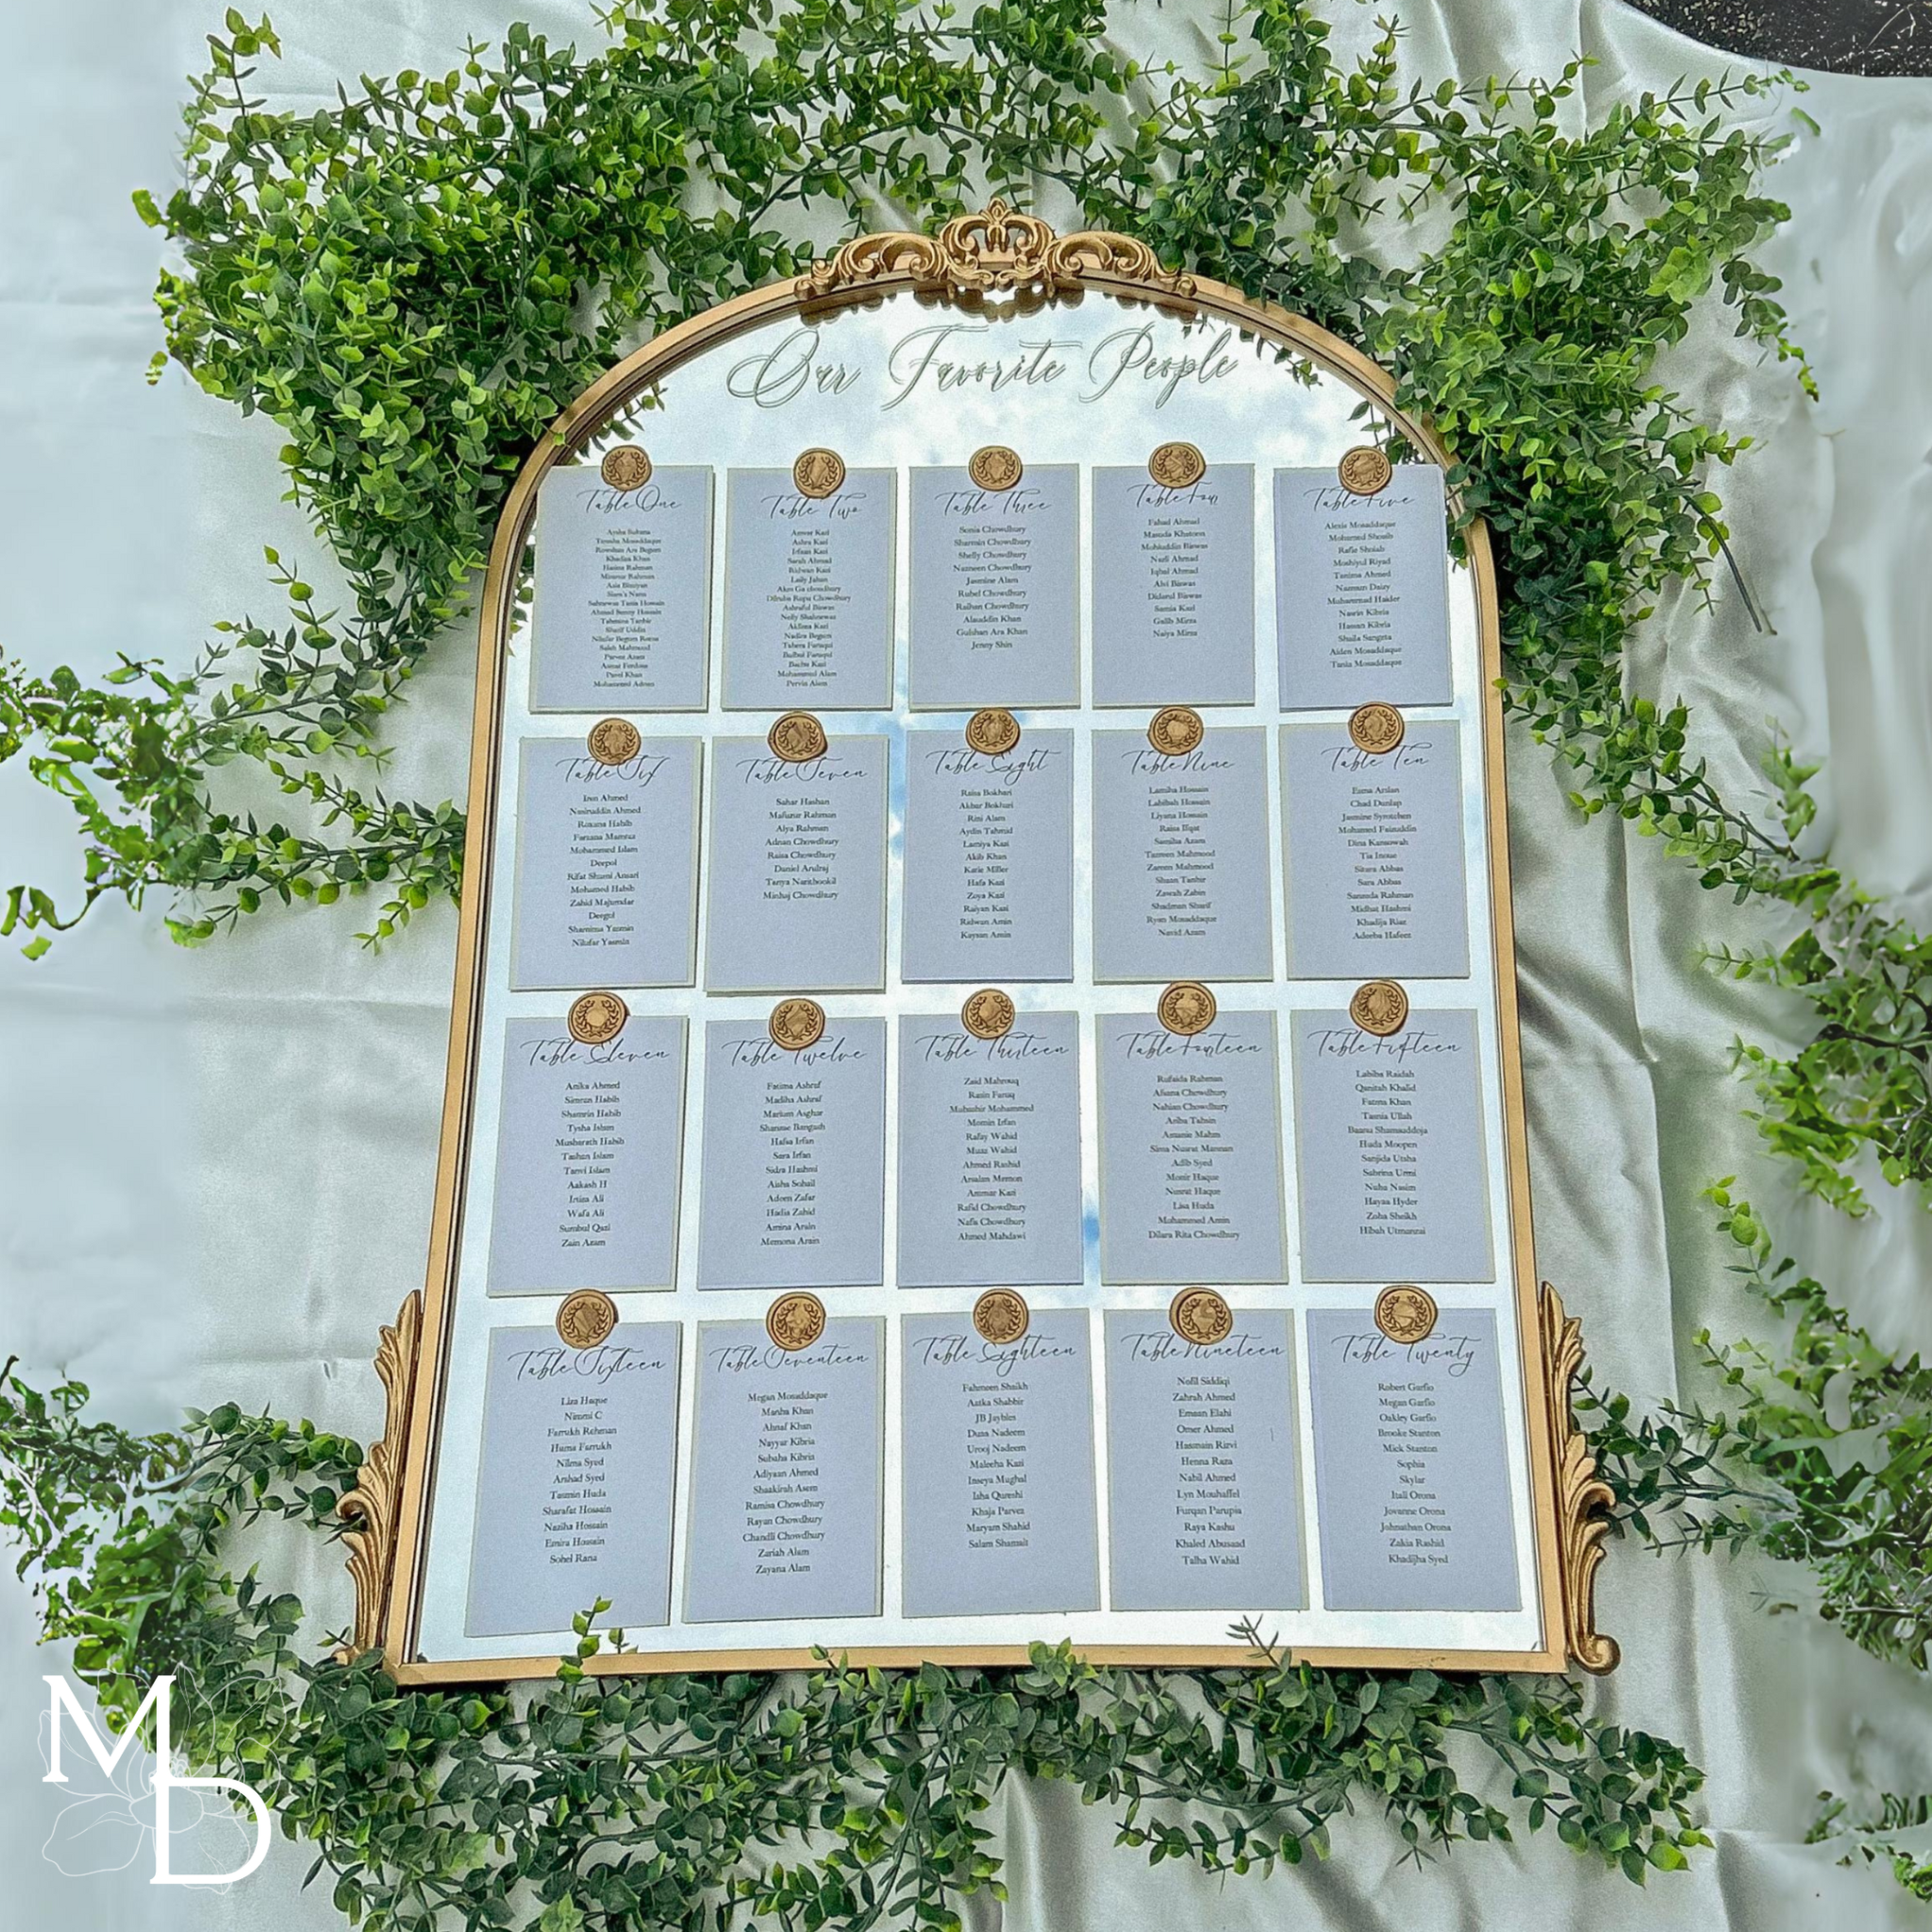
{"x":412,"y":285}
{"x":847,"y":1797}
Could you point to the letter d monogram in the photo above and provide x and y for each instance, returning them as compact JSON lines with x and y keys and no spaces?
{"x":158,"y":1701}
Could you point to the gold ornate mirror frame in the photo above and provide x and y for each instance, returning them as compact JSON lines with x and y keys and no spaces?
{"x":1003,"y":256}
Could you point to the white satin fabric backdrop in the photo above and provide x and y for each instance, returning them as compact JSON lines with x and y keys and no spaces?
{"x":217,"y":1165}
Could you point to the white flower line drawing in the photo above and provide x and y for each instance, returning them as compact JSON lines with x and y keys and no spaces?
{"x":107,"y":1829}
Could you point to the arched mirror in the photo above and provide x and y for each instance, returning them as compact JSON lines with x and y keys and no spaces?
{"x":984,"y":1102}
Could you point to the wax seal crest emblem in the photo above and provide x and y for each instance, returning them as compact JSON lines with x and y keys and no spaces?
{"x":1379,"y":1006}
{"x":992,"y":733}
{"x":1176,"y":466}
{"x":797,"y":738}
{"x":988,"y":1014}
{"x":1364,"y":470}
{"x":818,"y":473}
{"x":627,"y":467}
{"x":586,"y":1317}
{"x":1376,"y":728}
{"x":797,"y":1024}
{"x":1186,"y":1007}
{"x":1200,"y":1316}
{"x":614,"y":740}
{"x":1176,"y":731}
{"x":996,"y":466}
{"x":795,"y":1321}
{"x":1405,"y":1313}
{"x":1001,"y":1316}
{"x":595,"y":1017}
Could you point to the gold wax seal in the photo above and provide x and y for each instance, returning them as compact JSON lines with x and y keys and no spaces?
{"x":614,"y":740}
{"x":795,"y":1321}
{"x":988,"y":1014}
{"x":797,"y":1024}
{"x":1001,"y":1316}
{"x":996,"y":466}
{"x":1200,"y":1316}
{"x":1176,"y":466}
{"x":1187,"y":1006}
{"x":992,"y":733}
{"x":586,"y":1317}
{"x":1364,"y":470}
{"x":797,"y":738}
{"x":627,"y":467}
{"x":818,"y":473}
{"x":1376,"y":728}
{"x":595,"y":1017}
{"x":1176,"y":731}
{"x":1379,"y":1006}
{"x":1405,"y":1313}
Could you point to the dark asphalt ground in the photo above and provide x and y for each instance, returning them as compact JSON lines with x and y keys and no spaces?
{"x":1852,"y":36}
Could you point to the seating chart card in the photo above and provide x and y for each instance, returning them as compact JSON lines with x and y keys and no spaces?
{"x":1203,"y":1490}
{"x":1174,"y":587}
{"x":794,"y":1182}
{"x":1180,"y":859}
{"x":809,"y":594}
{"x":989,"y":1153}
{"x":996,"y":589}
{"x":586,"y":1159}
{"x":984,"y":1104}
{"x":579,"y":1449}
{"x":1389,"y":1146}
{"x":623,"y":593}
{"x":797,"y":866}
{"x":786,"y":1472}
{"x":1372,"y":846}
{"x":988,"y":860}
{"x":1410,"y":1465}
{"x":606,"y":866}
{"x":1189,"y":1151}
{"x":1000,"y":1507}
{"x":1361,"y":589}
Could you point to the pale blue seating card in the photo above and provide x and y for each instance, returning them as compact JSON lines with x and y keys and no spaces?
{"x":606,"y":866}
{"x":998,"y":1465}
{"x":797,"y":868}
{"x":586,"y":1159}
{"x":996,"y":589}
{"x":1189,"y":1151}
{"x":1204,"y":1495}
{"x":622,"y":609}
{"x":809,"y":594}
{"x":794,"y":1181}
{"x":1373,"y":851}
{"x":575,"y":1495}
{"x":1412,"y":1473}
{"x":988,"y":1153}
{"x":1389,"y":1146}
{"x":787,"y":1474}
{"x":989,"y":860}
{"x":1180,"y":859}
{"x":1362,"y":591}
{"x":1174,"y":587}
